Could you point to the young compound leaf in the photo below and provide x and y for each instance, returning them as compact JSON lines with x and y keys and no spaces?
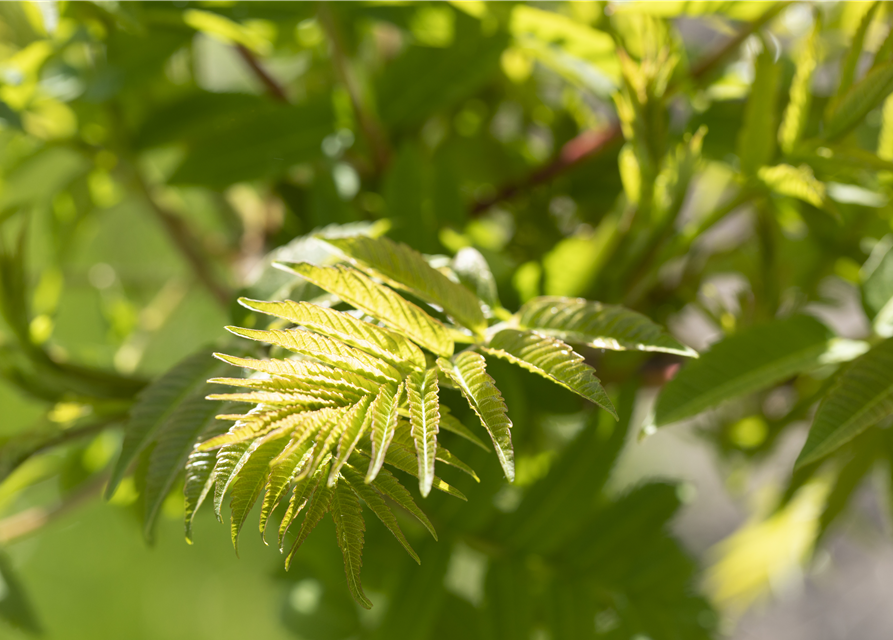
{"x":468,"y":371}
{"x":450,"y":423}
{"x":859,"y":399}
{"x":301,"y":494}
{"x":283,"y":470}
{"x":746,"y":362}
{"x":349,"y":529}
{"x":602,"y":326}
{"x":421,"y":391}
{"x":358,"y":422}
{"x":382,"y":343}
{"x":405,"y":268}
{"x":327,"y":350}
{"x":795,"y":182}
{"x":250,"y":482}
{"x":318,"y":504}
{"x":360,"y":291}
{"x":862,"y":97}
{"x":796,"y":115}
{"x":379,"y":507}
{"x":756,"y":140}
{"x":199,"y":476}
{"x":156,"y":405}
{"x":404,"y":459}
{"x":551,"y":358}
{"x":301,"y":375}
{"x":385,"y":413}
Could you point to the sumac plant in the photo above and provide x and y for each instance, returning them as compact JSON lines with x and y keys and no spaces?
{"x":349,"y":392}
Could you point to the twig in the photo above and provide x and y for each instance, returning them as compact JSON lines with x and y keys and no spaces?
{"x":30,"y":520}
{"x":590,"y":144}
{"x":276,"y":90}
{"x":372,"y":130}
{"x":186,"y":242}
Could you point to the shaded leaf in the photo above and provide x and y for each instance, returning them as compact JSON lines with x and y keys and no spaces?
{"x":349,"y":529}
{"x":754,"y":359}
{"x":251,"y":479}
{"x":859,"y":399}
{"x":756,"y":140}
{"x":862,"y":97}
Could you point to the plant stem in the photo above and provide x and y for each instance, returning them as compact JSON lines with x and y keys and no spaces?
{"x":276,"y":90}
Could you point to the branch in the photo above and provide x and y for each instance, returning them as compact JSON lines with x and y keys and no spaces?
{"x":276,"y":90}
{"x":590,"y":144}
{"x":183,"y":238}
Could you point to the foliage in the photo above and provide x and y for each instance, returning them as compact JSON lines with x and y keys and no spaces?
{"x":362,"y":193}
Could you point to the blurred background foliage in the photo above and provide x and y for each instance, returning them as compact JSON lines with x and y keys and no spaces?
{"x":701,"y":163}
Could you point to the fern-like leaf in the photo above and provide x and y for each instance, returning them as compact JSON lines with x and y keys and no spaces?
{"x":318,"y":504}
{"x":230,"y":460}
{"x":386,"y":305}
{"x":385,"y":413}
{"x":407,"y":269}
{"x":553,"y":359}
{"x":327,"y":350}
{"x":859,"y":399}
{"x":250,"y":482}
{"x":358,"y":422}
{"x":378,"y":506}
{"x":424,"y":405}
{"x":349,"y":529}
{"x":283,"y":470}
{"x":301,"y":493}
{"x":391,"y":487}
{"x":382,"y":343}
{"x":469,"y":372}
{"x":450,"y":423}
{"x":602,"y":326}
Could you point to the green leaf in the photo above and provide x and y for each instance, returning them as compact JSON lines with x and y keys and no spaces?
{"x":756,"y":140}
{"x":378,"y":301}
{"x":424,"y":80}
{"x":199,"y":476}
{"x":551,"y":358}
{"x":473,"y":271}
{"x":854,"y":51}
{"x":301,"y":493}
{"x":377,"y":341}
{"x":859,"y":399}
{"x":404,"y":459}
{"x":405,"y":268}
{"x":796,"y":115}
{"x":349,"y":529}
{"x":257,"y":143}
{"x":795,"y":182}
{"x":156,"y":407}
{"x":385,"y":413}
{"x":318,"y":504}
{"x":230,"y":459}
{"x":450,"y":423}
{"x":252,"y":478}
{"x":468,"y":371}
{"x":849,"y":478}
{"x":754,"y":359}
{"x":326,"y":350}
{"x":602,"y":326}
{"x":862,"y":97}
{"x":173,"y":444}
{"x":379,"y":507}
{"x":283,"y":471}
{"x":422,"y":393}
{"x":301,"y":375}
{"x":358,"y":422}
